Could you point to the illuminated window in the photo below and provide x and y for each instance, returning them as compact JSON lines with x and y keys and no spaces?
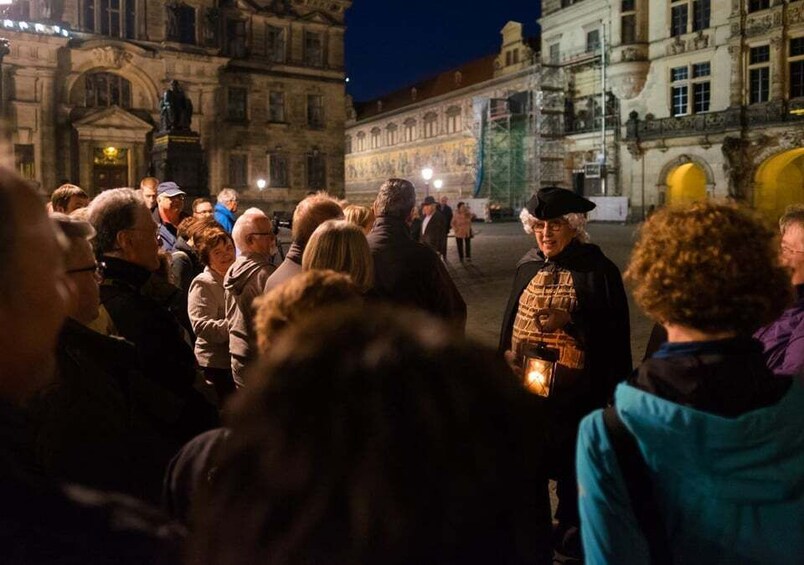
{"x":759,"y":74}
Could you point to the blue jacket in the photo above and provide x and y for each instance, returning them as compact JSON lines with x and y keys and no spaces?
{"x":731,"y":489}
{"x":224,"y":217}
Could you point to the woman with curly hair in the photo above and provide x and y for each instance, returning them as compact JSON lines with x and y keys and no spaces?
{"x":702,"y":459}
{"x":568,"y":297}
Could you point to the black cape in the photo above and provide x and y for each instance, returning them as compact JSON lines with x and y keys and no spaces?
{"x":601,"y":323}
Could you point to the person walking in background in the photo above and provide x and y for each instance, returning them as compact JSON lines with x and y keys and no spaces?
{"x":462,"y":227}
{"x":446,"y":210}
{"x":701,"y":460}
{"x":226,"y":208}
{"x":434,"y":227}
{"x":783,"y":340}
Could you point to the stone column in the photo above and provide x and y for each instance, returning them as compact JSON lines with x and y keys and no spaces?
{"x":777,"y":69}
{"x":50,"y":164}
{"x":736,"y":52}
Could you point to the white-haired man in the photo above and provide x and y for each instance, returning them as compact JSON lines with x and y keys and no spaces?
{"x":254,"y":237}
{"x":226,"y":208}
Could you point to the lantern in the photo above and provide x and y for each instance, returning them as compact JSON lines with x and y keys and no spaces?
{"x":539,"y":365}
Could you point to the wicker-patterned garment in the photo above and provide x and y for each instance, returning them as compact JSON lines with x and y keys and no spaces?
{"x":550,"y":288}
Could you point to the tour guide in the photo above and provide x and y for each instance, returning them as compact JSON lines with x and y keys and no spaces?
{"x":568,"y":296}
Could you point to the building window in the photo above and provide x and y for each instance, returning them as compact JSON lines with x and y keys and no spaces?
{"x":759,"y":74}
{"x":592,"y":40}
{"x":555,"y":53}
{"x":115,"y":18}
{"x":796,"y":59}
{"x":701,"y":13}
{"x":278,"y":170}
{"x":391,"y":134}
{"x":275,"y":44}
{"x":347,"y":146}
{"x":237,"y":104}
{"x":686,"y":85}
{"x":361,"y":141}
{"x":454,"y":120}
{"x":105,"y":89}
{"x":238,"y":170}
{"x":679,"y":14}
{"x":756,"y":5}
{"x":628,"y":29}
{"x":180,"y":23}
{"x":24,"y":161}
{"x":410,"y":130}
{"x":315,"y":111}
{"x":235,"y":38}
{"x":316,"y":170}
{"x":375,"y":138}
{"x":430,"y":125}
{"x":276,"y":106}
{"x":313,"y":49}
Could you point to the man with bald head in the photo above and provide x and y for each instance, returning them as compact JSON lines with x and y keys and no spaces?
{"x":44,"y":522}
{"x":254,"y":237}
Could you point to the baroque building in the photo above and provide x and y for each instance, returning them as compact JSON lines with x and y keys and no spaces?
{"x":708,"y":97}
{"x":82,"y":84}
{"x":482,"y":128}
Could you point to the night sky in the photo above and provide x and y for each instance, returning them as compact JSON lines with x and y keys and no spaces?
{"x":393,"y":43}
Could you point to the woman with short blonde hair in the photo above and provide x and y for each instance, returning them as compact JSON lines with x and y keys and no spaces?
{"x":341,"y":246}
{"x":361,"y":216}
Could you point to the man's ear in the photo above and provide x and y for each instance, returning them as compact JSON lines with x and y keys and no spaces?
{"x":122,"y":241}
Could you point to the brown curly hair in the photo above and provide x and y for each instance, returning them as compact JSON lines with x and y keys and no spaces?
{"x":709,"y":266}
{"x":208,"y":239}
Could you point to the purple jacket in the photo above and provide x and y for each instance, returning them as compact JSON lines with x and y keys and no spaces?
{"x":783,"y":340}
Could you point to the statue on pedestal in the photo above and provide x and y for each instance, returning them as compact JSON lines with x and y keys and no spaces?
{"x":176,"y":110}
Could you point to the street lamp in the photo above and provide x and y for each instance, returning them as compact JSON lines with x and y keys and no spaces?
{"x":438,"y":184}
{"x":261,"y":184}
{"x":427,"y":174}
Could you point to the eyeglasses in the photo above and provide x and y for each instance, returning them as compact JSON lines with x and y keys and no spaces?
{"x":552,"y":225}
{"x":790,"y":251}
{"x":98,"y":269}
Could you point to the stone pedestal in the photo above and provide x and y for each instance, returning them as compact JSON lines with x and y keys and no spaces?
{"x":177,"y":156}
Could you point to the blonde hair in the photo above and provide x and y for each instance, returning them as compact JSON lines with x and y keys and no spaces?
{"x":342,"y":247}
{"x":300,"y":296}
{"x":361,"y":216}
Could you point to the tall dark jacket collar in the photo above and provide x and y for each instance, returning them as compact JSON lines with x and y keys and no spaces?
{"x":391,"y":226}
{"x":119,"y":269}
{"x":726,"y":377}
{"x":295,"y":252}
{"x":16,"y":440}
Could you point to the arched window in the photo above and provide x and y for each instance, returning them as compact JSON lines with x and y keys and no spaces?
{"x":410,"y":129}
{"x":375,"y":138}
{"x":431,"y":124}
{"x":106,"y":89}
{"x":391,"y":134}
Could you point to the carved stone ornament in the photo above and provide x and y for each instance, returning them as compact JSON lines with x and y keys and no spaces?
{"x":111,"y":56}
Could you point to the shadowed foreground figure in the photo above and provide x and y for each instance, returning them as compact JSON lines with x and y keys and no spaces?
{"x":374,"y":437}
{"x":719,"y":437}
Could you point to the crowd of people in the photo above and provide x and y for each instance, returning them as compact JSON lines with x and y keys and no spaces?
{"x":174,"y":388}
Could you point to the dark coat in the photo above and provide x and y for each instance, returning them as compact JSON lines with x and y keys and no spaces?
{"x":435,"y":234}
{"x":601,"y":323}
{"x":101,"y":423}
{"x":162,"y":352}
{"x":185,"y":265}
{"x":411,"y":274}
{"x":446,"y":210}
{"x":43,"y":523}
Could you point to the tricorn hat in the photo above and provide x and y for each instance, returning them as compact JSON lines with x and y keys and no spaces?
{"x":428,"y":200}
{"x":553,"y":202}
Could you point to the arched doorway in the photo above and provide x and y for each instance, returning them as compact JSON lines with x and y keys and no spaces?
{"x":779,"y":182}
{"x":686,"y":183}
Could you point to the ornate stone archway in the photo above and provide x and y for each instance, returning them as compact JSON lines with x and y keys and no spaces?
{"x":699,"y":170}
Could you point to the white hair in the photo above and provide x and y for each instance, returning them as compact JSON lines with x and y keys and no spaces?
{"x":576,"y":221}
{"x":227,"y":195}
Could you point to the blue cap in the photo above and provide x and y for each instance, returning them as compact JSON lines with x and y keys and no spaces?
{"x":169,"y":189}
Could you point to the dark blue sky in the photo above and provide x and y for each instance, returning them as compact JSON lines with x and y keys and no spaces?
{"x":392,"y":43}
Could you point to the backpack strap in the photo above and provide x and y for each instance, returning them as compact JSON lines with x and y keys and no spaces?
{"x":640,"y":490}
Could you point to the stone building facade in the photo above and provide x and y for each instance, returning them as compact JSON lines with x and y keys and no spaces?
{"x":708,"y":97}
{"x":439,"y":124}
{"x":83,"y":81}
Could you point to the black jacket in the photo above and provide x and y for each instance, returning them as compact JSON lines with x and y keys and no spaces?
{"x":601,"y":323}
{"x":163,"y":353}
{"x":435,"y":234}
{"x":411,"y":274}
{"x":185,"y":266}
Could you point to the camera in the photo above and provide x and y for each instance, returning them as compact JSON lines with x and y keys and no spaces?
{"x":282,"y":219}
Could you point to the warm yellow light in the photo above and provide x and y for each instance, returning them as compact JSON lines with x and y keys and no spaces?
{"x":110,"y":152}
{"x":797,"y":112}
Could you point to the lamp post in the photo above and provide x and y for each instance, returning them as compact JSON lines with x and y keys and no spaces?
{"x":4,"y":50}
{"x":261,"y":184}
{"x":438,"y":184}
{"x":427,"y":174}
